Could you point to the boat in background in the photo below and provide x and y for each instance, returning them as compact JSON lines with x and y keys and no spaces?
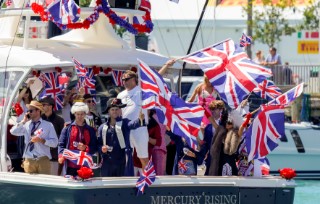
{"x":299,"y":149}
{"x":20,"y":58}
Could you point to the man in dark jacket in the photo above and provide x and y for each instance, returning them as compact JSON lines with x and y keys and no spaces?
{"x":58,"y":124}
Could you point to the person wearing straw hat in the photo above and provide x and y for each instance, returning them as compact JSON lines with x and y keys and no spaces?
{"x":39,"y":136}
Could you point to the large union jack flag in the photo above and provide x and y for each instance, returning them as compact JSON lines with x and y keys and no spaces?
{"x":263,"y":134}
{"x":183,"y":119}
{"x":267,"y":90}
{"x":78,"y":157}
{"x":229,"y":70}
{"x":147,"y":177}
{"x":117,"y":77}
{"x":63,"y":12}
{"x":52,"y":88}
{"x":289,"y":96}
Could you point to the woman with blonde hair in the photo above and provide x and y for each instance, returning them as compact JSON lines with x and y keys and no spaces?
{"x":205,"y":93}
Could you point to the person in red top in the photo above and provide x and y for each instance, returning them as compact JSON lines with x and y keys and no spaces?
{"x":77,"y":136}
{"x":155,"y":139}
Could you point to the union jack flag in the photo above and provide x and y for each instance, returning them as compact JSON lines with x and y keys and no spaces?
{"x":264,"y":165}
{"x":185,"y":168}
{"x":88,"y":84}
{"x":38,"y":132}
{"x":183,"y":119}
{"x":263,"y":134}
{"x":245,"y":40}
{"x":78,"y":157}
{"x":86,"y":77}
{"x":80,"y":68}
{"x":229,"y":70}
{"x":52,"y":88}
{"x":289,"y":96}
{"x":63,"y":12}
{"x":182,"y":166}
{"x":267,"y":90}
{"x":145,"y":5}
{"x":117,"y":77}
{"x":147,"y":177}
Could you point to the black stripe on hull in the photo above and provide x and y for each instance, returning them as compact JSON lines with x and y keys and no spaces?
{"x":302,"y":174}
{"x":30,"y":194}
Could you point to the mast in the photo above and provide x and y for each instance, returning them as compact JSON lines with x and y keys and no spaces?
{"x":249,"y":26}
{"x":191,"y":44}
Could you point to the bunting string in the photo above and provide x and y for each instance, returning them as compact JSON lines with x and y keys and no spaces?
{"x":102,"y":7}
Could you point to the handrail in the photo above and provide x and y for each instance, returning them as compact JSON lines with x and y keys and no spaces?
{"x":84,"y":10}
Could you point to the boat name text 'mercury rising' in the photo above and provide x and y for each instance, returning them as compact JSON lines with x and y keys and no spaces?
{"x":195,"y":199}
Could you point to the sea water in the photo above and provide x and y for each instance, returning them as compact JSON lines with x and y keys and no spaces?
{"x":307,"y":192}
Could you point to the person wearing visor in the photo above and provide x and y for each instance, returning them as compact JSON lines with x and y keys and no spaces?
{"x":39,"y":136}
{"x":114,"y":141}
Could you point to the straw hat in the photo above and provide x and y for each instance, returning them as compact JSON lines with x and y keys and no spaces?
{"x":35,"y":104}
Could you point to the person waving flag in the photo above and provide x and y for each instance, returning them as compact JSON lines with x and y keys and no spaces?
{"x":182,"y":118}
{"x":229,"y":70}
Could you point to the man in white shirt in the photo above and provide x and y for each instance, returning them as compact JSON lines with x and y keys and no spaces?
{"x":132,"y":97}
{"x":39,"y":136}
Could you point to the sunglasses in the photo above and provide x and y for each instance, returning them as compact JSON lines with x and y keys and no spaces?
{"x":31,"y":110}
{"x":126,"y":79}
{"x":89,"y":101}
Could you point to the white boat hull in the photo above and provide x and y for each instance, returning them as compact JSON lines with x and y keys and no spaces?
{"x":301,"y":151}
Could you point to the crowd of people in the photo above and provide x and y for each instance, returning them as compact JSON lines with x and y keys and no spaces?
{"x":129,"y":137}
{"x":282,"y":74}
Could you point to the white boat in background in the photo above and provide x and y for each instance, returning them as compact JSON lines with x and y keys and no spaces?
{"x":299,"y":149}
{"x":100,"y":46}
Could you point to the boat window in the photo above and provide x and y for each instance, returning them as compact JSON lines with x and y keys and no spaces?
{"x":185,"y":88}
{"x":297,"y":141}
{"x":8,"y":81}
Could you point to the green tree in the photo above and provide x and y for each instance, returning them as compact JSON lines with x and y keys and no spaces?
{"x":85,"y":3}
{"x":311,"y":16}
{"x":269,"y":22}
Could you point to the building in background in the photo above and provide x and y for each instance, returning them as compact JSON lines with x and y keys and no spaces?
{"x":174,"y":28}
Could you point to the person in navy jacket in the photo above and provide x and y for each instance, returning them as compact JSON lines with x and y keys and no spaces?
{"x":114,"y":141}
{"x":77,"y":136}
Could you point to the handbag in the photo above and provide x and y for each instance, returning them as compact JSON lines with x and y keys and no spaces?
{"x":186,"y":167}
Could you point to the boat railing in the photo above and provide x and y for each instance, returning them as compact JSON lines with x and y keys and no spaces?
{"x":30,"y":28}
{"x":290,"y":75}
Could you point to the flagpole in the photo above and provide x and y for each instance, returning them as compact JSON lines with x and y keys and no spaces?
{"x":191,"y":44}
{"x":146,"y":117}
{"x":270,"y":102}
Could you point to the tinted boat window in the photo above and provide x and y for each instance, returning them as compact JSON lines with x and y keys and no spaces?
{"x":185,"y":88}
{"x":297,"y":141}
{"x":8,"y":81}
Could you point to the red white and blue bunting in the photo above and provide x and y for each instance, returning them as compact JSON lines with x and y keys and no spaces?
{"x":102,"y":6}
